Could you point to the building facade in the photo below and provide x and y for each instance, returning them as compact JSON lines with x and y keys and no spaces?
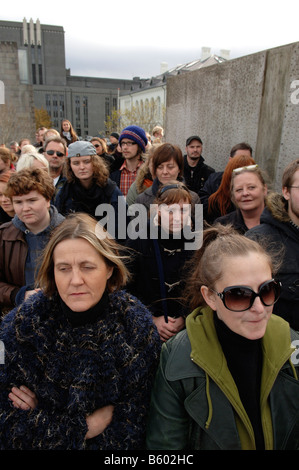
{"x":40,"y":51}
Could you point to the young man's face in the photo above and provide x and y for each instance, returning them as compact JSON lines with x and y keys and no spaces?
{"x":129,"y":148}
{"x":32,"y":209}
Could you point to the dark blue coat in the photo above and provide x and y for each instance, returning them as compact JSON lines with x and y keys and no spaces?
{"x":75,"y":370}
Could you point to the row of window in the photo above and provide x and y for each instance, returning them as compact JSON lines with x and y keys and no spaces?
{"x":55,"y":107}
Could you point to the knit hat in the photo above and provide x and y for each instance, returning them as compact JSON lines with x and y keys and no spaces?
{"x":115,"y":134}
{"x":136,"y":134}
{"x":81,"y":148}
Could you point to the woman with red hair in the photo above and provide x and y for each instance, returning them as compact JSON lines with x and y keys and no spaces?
{"x":220,"y":202}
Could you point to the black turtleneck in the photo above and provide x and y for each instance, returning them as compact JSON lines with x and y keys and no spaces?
{"x":89,"y":316}
{"x":244,"y":359}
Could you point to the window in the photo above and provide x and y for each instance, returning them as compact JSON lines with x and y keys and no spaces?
{"x":77,"y":114}
{"x":48,"y":105}
{"x":107,"y":107}
{"x":55,"y":111}
{"x":23,"y":66}
{"x":85,"y":112}
{"x":61,"y":107}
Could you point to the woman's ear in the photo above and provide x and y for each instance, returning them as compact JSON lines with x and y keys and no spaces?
{"x":265,"y":190}
{"x":109,"y":272}
{"x":209,"y":297}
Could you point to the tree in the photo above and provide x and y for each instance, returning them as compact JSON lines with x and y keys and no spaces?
{"x":146,"y":115}
{"x":42,"y":118}
{"x":14,"y":124}
{"x":112,"y":123}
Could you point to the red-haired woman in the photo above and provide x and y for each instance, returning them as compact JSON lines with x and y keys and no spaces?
{"x":220,"y":202}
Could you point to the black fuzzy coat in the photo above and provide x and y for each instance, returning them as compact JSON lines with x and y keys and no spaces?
{"x":76,"y":370}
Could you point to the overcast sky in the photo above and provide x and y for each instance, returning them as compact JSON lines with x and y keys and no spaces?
{"x":124,"y":39}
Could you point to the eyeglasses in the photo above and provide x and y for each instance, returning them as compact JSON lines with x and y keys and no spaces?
{"x":51,"y":152}
{"x":243,"y":168}
{"x":241,"y":298}
{"x":128,"y":144}
{"x":97,"y":145}
{"x":295,"y":187}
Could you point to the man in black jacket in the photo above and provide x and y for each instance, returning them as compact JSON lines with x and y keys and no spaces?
{"x":196,"y":172}
{"x":279,"y":229}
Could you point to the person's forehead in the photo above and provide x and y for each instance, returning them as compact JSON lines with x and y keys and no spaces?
{"x":80,"y":157}
{"x":55,"y":145}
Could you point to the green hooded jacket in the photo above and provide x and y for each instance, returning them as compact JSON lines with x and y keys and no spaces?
{"x":195,"y":402}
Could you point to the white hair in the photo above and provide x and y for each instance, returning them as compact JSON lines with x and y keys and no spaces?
{"x":28,"y":160}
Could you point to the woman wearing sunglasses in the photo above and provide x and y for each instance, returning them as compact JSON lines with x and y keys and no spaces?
{"x":230,"y":380}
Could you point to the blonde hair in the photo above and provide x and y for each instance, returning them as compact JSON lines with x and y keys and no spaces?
{"x":76,"y":226}
{"x":27,"y":160}
{"x":100,"y":141}
{"x":255,"y":169}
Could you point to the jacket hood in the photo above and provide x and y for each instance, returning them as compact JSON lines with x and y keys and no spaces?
{"x":55,"y":219}
{"x":276,"y":205}
{"x":143,"y":174}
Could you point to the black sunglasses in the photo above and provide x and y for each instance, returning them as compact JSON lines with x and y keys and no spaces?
{"x":241,"y":298}
{"x":51,"y":152}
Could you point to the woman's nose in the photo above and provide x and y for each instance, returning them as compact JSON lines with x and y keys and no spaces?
{"x":76,"y":277}
{"x":258,"y":305}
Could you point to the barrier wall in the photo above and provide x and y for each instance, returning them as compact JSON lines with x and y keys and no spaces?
{"x":252,"y":99}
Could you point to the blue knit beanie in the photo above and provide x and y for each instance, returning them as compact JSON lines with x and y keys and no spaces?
{"x":136,"y":134}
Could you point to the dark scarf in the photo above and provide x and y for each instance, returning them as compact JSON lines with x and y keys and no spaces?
{"x":89,"y":316}
{"x":87,"y":200}
{"x":244,"y":360}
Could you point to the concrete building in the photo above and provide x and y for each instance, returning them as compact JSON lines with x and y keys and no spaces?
{"x":39,"y":58}
{"x":148,"y":97}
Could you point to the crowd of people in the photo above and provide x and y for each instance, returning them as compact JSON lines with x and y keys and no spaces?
{"x":119,"y":332}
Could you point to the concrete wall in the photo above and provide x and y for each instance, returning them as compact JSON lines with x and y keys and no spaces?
{"x":250,"y":99}
{"x":17,"y":110}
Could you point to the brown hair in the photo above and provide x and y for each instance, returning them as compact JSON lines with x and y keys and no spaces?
{"x":221,"y":199}
{"x":288,"y":174}
{"x":5,"y":155}
{"x":166,"y":152}
{"x":102,"y":142}
{"x":77,"y":226}
{"x":220,"y":242}
{"x":100,"y":171}
{"x":241,"y":146}
{"x":24,"y":181}
{"x":172,"y":193}
{"x":74,"y":136}
{"x":55,"y":138}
